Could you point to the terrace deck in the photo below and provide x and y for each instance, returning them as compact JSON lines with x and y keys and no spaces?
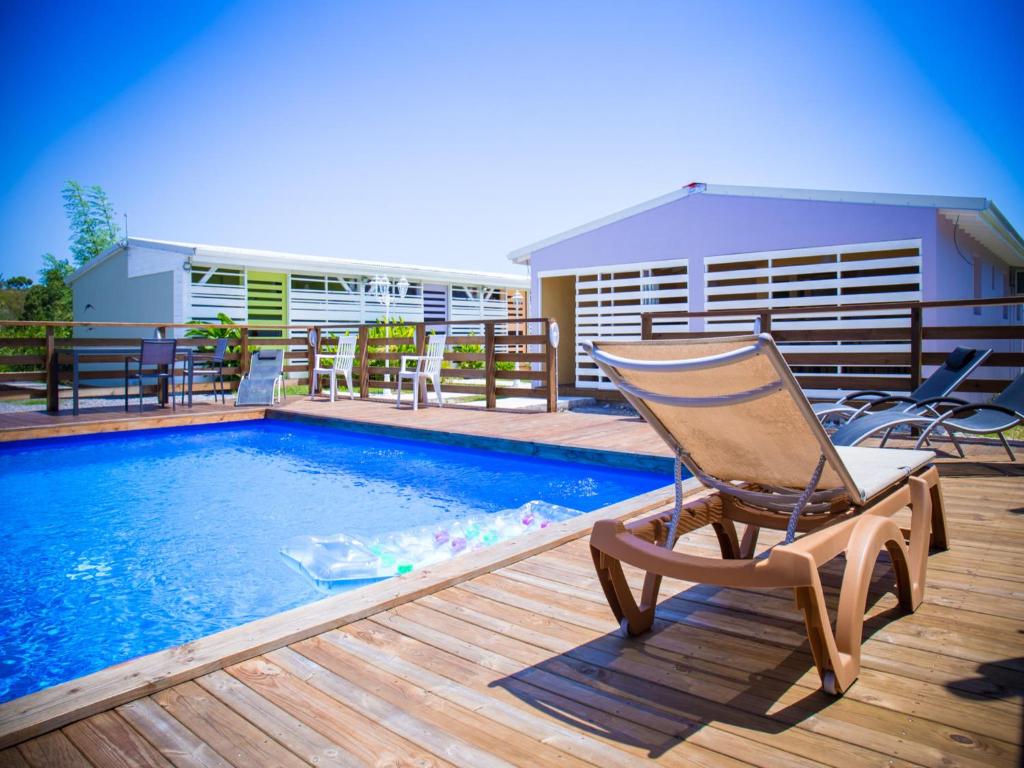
{"x":522,"y":665}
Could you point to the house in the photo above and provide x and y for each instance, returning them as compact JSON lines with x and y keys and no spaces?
{"x":711,"y":247}
{"x":160,"y":281}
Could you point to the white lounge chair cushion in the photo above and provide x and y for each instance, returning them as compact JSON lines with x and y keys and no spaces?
{"x":876,"y":469}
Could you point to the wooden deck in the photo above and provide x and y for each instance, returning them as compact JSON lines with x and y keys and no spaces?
{"x":522,"y":665}
{"x":28,"y":425}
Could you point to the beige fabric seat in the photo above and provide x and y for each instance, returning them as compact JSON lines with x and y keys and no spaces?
{"x":873,"y":470}
{"x":735,"y":416}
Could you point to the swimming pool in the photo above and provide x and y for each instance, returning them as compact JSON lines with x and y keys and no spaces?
{"x":119,"y":545}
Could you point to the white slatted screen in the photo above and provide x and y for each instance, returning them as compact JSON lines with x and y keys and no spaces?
{"x":609,"y":303}
{"x":217,"y":290}
{"x":852,"y":274}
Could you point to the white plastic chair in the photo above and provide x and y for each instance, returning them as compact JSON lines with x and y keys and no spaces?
{"x":337,"y":363}
{"x":428,"y":366}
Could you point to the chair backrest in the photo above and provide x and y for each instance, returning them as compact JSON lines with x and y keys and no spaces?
{"x":266,"y":363}
{"x":434,"y":354}
{"x":1013,"y":396}
{"x":220,"y":349}
{"x":344,"y":353}
{"x":957,"y":366}
{"x":158,"y":351}
{"x":730,"y":406}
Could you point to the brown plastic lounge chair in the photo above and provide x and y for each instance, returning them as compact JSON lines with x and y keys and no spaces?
{"x":733,"y":413}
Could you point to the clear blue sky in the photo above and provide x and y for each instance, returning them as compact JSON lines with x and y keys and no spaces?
{"x":451,"y":133}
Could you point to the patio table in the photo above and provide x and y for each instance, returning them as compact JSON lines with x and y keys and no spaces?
{"x":124,"y":352}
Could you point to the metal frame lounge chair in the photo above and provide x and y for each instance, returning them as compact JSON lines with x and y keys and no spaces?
{"x":733,"y":413}
{"x":427,"y":366}
{"x":210,"y":365}
{"x":333,"y":364}
{"x":1003,"y":412}
{"x":260,"y":386}
{"x":958,"y":365}
{"x":162,"y":355}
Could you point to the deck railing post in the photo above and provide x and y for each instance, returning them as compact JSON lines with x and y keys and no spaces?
{"x":312,"y":349}
{"x":363,"y":342}
{"x":52,"y":372}
{"x":243,"y":361}
{"x":646,"y":326}
{"x":421,"y":349}
{"x":916,"y":336}
{"x":490,"y":368}
{"x":765,"y":322}
{"x":551,"y":363}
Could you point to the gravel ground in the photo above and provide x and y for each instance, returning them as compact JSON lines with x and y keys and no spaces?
{"x":86,"y":404}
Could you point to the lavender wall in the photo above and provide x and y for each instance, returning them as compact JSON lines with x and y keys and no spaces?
{"x":710,"y":225}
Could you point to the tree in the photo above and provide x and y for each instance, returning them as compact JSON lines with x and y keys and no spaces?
{"x":91,"y":218}
{"x":50,"y":299}
{"x":18,"y":283}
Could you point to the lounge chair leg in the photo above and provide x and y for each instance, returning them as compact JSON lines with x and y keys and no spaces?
{"x":939,"y":538}
{"x":415,"y":393}
{"x":749,"y":542}
{"x":633,"y":619}
{"x":1006,"y":445}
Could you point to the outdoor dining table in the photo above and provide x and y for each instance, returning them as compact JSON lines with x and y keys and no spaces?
{"x":124,"y":352}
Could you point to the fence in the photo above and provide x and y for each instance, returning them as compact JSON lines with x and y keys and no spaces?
{"x":829,"y":349}
{"x":511,"y":357}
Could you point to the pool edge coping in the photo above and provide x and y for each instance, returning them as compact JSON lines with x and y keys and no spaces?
{"x":51,"y":708}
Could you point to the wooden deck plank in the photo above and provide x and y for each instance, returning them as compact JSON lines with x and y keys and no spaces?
{"x":53,"y":749}
{"x":521,"y":664}
{"x":229,"y":734}
{"x":107,"y":740}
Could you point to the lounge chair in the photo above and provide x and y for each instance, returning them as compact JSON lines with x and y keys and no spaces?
{"x":337,"y":363}
{"x":426,"y":366}
{"x":957,"y":366}
{"x":161,"y":355}
{"x":1002,"y":413}
{"x":734,"y":415}
{"x":264,"y":383}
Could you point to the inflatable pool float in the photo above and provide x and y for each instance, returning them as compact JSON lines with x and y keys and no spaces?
{"x":342,"y":560}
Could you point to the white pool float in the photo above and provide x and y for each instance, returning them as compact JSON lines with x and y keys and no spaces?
{"x":340,"y":560}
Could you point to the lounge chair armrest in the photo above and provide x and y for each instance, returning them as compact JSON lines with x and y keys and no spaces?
{"x":932,"y":401}
{"x":891,"y":399}
{"x":975,"y":407}
{"x":860,"y":395}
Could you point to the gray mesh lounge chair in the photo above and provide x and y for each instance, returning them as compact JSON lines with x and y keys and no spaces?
{"x":1005,"y":411}
{"x":158,"y":354}
{"x":958,"y":365}
{"x":266,"y":374}
{"x":210,"y":365}
{"x":733,"y":413}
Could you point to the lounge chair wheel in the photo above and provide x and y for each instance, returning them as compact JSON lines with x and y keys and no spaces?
{"x":828,"y":683}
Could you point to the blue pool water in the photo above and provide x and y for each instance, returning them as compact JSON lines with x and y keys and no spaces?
{"x":116,"y":546}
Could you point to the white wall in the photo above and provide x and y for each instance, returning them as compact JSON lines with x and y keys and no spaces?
{"x":137,"y":285}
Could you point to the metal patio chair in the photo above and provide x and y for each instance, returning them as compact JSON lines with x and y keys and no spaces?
{"x":735,"y":416}
{"x":427,"y":367}
{"x":161,"y":355}
{"x":210,"y":365}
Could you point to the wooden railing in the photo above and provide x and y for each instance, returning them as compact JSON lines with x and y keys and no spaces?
{"x":511,"y":357}
{"x":909,"y":342}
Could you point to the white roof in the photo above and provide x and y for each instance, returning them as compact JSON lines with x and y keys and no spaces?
{"x":977,"y":216}
{"x":219,"y":255}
